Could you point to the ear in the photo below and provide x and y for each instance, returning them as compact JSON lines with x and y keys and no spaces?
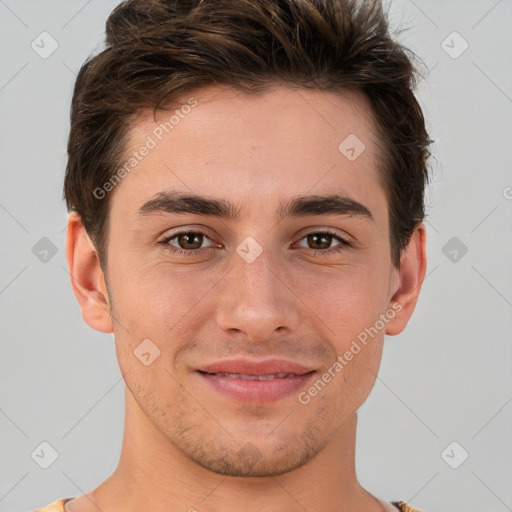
{"x":408,"y":280}
{"x":87,"y":278}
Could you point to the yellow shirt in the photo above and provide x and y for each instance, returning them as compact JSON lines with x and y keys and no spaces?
{"x":58,"y":506}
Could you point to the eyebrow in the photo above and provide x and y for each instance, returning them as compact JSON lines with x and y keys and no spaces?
{"x":178,"y":202}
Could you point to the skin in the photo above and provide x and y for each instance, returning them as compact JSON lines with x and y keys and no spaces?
{"x":183,"y":442}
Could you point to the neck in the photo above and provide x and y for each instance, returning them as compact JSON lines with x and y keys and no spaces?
{"x":155,"y":475}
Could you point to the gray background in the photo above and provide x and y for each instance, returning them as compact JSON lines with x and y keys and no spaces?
{"x":447,"y":378}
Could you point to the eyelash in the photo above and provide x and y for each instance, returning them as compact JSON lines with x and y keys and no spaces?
{"x":344,"y":244}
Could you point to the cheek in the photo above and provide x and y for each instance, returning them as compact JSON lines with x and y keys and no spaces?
{"x":157,"y":298}
{"x":342,"y":386}
{"x":358,"y":376}
{"x":159,"y":311}
{"x":346,"y":299}
{"x":348,"y":303}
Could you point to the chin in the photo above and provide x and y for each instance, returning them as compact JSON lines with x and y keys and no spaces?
{"x":251,"y":461}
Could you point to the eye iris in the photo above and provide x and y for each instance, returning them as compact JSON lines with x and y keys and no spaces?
{"x":187,"y":239}
{"x":314,"y":240}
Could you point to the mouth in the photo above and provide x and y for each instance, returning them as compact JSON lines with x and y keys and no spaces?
{"x":254,"y":377}
{"x":255,"y":382}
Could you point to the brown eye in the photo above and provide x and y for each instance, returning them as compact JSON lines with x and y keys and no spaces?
{"x":319,"y":240}
{"x":190,"y":240}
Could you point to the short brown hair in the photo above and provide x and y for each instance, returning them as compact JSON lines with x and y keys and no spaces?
{"x":159,"y":49}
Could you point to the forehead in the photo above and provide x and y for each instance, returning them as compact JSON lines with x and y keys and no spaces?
{"x":224,"y":142}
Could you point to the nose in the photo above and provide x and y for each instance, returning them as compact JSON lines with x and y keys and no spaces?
{"x":256,"y":299}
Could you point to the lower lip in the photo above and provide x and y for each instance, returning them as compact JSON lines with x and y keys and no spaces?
{"x":257,"y":391}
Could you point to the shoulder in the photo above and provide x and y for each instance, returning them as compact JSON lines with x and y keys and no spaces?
{"x":403,"y":507}
{"x":56,"y":506}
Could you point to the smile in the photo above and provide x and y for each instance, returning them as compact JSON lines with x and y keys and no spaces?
{"x":258,"y":389}
{"x":255,"y":377}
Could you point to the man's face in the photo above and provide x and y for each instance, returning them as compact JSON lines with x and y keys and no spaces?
{"x":303,"y":300}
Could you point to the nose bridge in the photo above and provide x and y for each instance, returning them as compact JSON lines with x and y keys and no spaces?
{"x":256,"y":300}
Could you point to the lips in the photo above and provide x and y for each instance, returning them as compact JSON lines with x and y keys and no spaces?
{"x":242,"y":376}
{"x":247,"y":367}
{"x":243,"y":380}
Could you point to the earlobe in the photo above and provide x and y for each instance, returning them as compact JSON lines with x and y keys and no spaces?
{"x":87,"y":279}
{"x":413,"y":265}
